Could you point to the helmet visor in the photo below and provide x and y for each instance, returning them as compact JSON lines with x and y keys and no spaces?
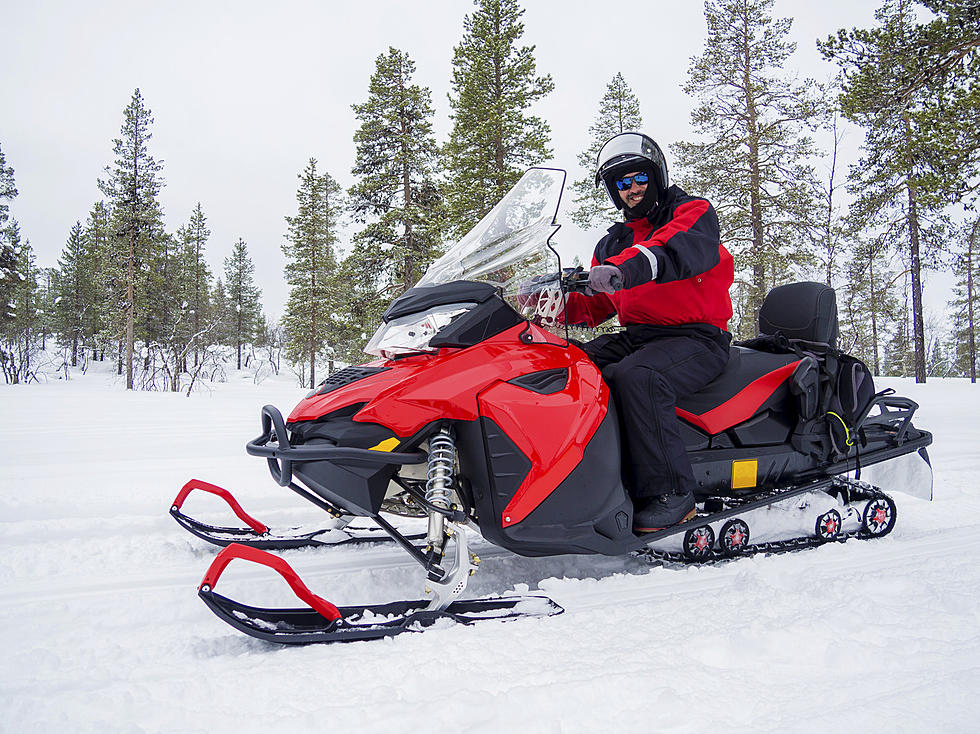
{"x":624,"y":146}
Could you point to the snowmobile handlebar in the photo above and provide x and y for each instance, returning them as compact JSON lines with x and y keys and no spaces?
{"x":281,"y":454}
{"x":576,"y":280}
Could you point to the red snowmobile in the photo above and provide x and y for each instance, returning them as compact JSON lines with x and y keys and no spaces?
{"x":487,"y":418}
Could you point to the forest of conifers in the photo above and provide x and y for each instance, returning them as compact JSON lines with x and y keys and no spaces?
{"x":129,"y":290}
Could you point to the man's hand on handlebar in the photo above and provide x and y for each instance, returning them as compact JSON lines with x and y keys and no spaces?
{"x":605,"y":279}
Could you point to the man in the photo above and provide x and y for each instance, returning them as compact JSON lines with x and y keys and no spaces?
{"x":665,"y":273}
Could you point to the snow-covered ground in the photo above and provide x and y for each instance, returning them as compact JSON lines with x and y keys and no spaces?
{"x":101,"y":629}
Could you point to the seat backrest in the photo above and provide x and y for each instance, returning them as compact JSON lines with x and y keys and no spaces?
{"x":806,"y":311}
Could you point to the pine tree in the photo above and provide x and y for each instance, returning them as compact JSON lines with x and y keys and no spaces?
{"x":108,"y":283}
{"x":396,"y":194}
{"x":965,"y":304}
{"x":914,"y":91}
{"x":865,"y":302}
{"x":194,"y":238}
{"x":8,"y":258}
{"x":18,"y":331}
{"x":243,"y":296}
{"x":76,"y":293}
{"x":132,"y":188}
{"x":8,"y":190}
{"x":753,"y":163}
{"x":493,"y":137}
{"x":619,"y":111}
{"x":311,"y":263}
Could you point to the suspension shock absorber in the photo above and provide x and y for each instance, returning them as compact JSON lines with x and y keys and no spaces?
{"x":439,"y":484}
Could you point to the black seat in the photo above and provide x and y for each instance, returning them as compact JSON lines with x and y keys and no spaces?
{"x":755,"y":380}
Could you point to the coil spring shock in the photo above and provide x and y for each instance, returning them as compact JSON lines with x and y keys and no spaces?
{"x":439,"y":483}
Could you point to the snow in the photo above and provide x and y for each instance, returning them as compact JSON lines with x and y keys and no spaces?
{"x":102,"y":630}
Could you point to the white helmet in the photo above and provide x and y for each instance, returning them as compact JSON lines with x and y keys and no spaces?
{"x":628,"y":152}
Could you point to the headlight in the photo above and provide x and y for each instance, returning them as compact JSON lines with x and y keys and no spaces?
{"x":412,"y":333}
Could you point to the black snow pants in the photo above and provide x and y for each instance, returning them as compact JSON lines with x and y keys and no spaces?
{"x":647,"y":369}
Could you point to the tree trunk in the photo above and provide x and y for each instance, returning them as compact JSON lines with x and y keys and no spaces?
{"x":970,"y":248}
{"x":757,"y":292}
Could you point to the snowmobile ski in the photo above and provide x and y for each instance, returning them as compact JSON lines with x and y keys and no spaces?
{"x":323,"y":622}
{"x":257,"y":534}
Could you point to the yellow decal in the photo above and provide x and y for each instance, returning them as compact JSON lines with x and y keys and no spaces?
{"x":389,"y":444}
{"x":745,"y":474}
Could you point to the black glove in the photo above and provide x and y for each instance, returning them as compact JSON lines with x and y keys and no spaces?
{"x":605,"y":279}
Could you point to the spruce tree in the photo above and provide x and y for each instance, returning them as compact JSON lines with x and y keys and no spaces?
{"x":311,"y":263}
{"x":18,"y":331}
{"x":912,"y":87}
{"x":194,"y":238}
{"x":866,"y":304}
{"x":75,"y":291}
{"x":395,"y":196}
{"x":107,"y":282}
{"x":965,"y":305}
{"x":8,"y":258}
{"x":133,"y":186}
{"x":493,"y":139}
{"x":243,"y":296}
{"x":753,"y":157}
{"x":619,"y":111}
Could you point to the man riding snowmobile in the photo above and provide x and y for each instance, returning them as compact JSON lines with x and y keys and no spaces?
{"x":666,"y":275}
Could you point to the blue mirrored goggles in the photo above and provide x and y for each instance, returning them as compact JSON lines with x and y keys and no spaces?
{"x":626,"y":182}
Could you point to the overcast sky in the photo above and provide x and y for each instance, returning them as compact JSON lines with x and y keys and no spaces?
{"x":244,"y":93}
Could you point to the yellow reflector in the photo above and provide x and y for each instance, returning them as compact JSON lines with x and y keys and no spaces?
{"x":745,"y":474}
{"x":389,"y":444}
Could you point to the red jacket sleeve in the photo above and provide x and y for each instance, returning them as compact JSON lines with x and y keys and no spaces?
{"x":685,"y":246}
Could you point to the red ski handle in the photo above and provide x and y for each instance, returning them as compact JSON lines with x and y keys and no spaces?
{"x":223,"y":494}
{"x":277,"y":564}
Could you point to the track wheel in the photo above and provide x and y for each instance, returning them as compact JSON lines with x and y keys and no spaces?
{"x":734,"y":537}
{"x":828,"y":525}
{"x":698,"y":543}
{"x":879,"y":517}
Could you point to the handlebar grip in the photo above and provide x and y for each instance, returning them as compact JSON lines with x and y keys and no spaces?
{"x":616,"y":283}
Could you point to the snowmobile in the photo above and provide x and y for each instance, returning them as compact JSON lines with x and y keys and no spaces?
{"x":484,"y":417}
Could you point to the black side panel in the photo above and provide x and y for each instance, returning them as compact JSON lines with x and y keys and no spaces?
{"x":589,"y":512}
{"x":359,"y":489}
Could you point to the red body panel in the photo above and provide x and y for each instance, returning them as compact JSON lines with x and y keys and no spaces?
{"x":464,"y":384}
{"x":539,"y":425}
{"x":741,"y":406}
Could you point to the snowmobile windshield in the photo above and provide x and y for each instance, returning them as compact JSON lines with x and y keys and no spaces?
{"x":510,"y":242}
{"x":506,"y":248}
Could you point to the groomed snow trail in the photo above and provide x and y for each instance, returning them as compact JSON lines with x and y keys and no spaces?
{"x":102,"y":629}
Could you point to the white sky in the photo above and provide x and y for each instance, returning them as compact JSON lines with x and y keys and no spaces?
{"x":244,"y":93}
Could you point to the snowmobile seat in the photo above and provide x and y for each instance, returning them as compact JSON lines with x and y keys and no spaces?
{"x":801,"y":311}
{"x":752,"y":382}
{"x":756,"y":380}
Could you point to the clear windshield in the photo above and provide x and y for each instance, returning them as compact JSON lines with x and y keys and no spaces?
{"x":509,"y":243}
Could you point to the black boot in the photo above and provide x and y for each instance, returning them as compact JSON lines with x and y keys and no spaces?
{"x":664,"y":511}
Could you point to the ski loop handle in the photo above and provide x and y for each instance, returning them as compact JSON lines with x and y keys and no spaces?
{"x":223,"y":494}
{"x":324,"y":608}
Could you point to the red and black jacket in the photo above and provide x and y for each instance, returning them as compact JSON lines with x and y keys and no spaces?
{"x":694,"y":270}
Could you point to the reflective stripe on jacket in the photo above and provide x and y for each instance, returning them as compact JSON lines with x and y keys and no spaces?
{"x":694,"y":270}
